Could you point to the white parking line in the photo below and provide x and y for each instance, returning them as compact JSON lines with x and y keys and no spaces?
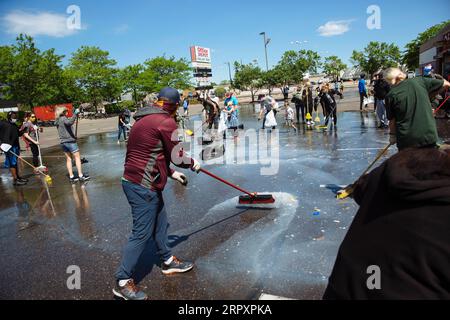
{"x":265,"y":296}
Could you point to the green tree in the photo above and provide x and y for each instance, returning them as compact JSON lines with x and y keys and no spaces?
{"x":377,"y":55}
{"x":411,"y":54}
{"x":220,"y":92}
{"x":293,"y":65}
{"x":333,"y":66}
{"x":273,"y":78}
{"x":93,"y":71}
{"x":6,"y":62}
{"x":163,"y":72}
{"x":130,"y":76}
{"x":30,"y":76}
{"x":247,"y":77}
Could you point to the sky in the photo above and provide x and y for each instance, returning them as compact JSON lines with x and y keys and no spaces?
{"x":135,"y":30}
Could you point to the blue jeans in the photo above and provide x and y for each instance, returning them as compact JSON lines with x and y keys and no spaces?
{"x":122,"y":129}
{"x":149,"y":224}
{"x":11,"y":159}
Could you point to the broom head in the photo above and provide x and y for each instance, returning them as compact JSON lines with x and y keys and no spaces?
{"x":257,"y":199}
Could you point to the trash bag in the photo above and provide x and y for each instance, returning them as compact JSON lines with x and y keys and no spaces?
{"x":368,"y":100}
{"x":222,"y":122}
{"x":270,"y":120}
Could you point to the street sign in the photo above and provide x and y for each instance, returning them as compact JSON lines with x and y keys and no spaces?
{"x":202,"y":75}
{"x":201,"y":65}
{"x":202,"y":70}
{"x":203,"y":81}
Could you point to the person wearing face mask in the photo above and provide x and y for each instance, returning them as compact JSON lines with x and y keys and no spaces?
{"x":30,"y":134}
{"x":152,"y":146}
{"x":409,"y":110}
{"x":10,"y":145}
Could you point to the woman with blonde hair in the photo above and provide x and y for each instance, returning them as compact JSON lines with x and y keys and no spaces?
{"x":69,"y":143}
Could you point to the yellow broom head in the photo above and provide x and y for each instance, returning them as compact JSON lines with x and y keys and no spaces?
{"x":342,"y":195}
{"x":189,"y":132}
{"x":48,"y":179}
{"x":317,"y":119}
{"x":308,"y":116}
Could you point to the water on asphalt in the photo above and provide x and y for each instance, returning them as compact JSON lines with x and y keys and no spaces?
{"x":285,"y":249}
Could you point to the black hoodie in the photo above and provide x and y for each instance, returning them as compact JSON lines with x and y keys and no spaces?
{"x":10,"y":133}
{"x":403,"y":227}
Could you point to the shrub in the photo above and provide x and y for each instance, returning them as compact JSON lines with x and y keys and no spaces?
{"x":220,"y":92}
{"x":115,"y":108}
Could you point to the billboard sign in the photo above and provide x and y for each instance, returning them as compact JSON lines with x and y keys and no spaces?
{"x":200,"y":54}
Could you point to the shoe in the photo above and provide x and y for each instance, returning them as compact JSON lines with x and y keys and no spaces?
{"x":118,"y":141}
{"x":19,"y":183}
{"x":176,"y":266}
{"x":22,"y":179}
{"x":73,"y":179}
{"x":129,"y":292}
{"x":84,"y":178}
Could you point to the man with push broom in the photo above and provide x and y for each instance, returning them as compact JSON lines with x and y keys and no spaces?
{"x":409,"y":110}
{"x":152,"y":145}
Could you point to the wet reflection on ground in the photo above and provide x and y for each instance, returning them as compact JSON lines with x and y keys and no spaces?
{"x":286,"y":249}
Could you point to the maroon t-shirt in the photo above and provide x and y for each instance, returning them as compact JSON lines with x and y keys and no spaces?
{"x":152,"y":145}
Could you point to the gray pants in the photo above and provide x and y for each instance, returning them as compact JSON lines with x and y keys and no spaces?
{"x":381,"y":113}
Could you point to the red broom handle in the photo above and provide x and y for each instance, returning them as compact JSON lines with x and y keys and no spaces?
{"x":226,"y":182}
{"x":441,"y":104}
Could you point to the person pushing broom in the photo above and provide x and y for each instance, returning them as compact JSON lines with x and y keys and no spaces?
{"x":152,"y":145}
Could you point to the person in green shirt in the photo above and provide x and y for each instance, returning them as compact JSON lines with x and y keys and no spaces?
{"x":408,"y":106}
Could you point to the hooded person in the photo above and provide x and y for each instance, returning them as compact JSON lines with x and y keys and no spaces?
{"x":10,"y":145}
{"x":398,"y":245}
{"x":152,"y":146}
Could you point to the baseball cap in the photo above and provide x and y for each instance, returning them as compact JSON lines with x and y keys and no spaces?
{"x":170,"y":94}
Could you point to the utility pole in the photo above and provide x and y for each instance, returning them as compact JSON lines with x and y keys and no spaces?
{"x":266,"y":42}
{"x":229,"y":71}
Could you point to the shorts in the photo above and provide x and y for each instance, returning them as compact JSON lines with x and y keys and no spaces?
{"x":10,"y":159}
{"x":70,"y":147}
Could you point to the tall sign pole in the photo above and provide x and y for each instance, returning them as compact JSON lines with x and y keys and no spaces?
{"x":266,"y":42}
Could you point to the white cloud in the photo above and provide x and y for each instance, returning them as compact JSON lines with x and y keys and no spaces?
{"x":122,"y":29}
{"x":334,"y":28}
{"x":37,"y":23}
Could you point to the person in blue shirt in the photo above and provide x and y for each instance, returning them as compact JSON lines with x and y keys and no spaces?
{"x":362,"y":91}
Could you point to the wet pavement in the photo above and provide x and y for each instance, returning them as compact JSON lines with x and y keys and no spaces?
{"x":285,"y":249}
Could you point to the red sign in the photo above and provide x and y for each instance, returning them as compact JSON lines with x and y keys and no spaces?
{"x":200,"y":54}
{"x":47,"y":113}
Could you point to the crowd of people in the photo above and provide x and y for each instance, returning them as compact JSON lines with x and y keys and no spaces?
{"x":413,"y":185}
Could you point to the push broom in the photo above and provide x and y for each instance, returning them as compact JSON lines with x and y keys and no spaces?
{"x":41,"y":166}
{"x":48,"y":179}
{"x":249,"y":198}
{"x":346,"y":192}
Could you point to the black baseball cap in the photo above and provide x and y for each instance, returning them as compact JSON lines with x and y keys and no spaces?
{"x":170,"y":94}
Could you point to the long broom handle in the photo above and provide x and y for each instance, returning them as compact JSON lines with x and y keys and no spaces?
{"x":76,"y":129}
{"x":226,"y":182}
{"x":435,"y":111}
{"x":380,"y":154}
{"x":28,"y":163}
{"x":39,"y":148}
